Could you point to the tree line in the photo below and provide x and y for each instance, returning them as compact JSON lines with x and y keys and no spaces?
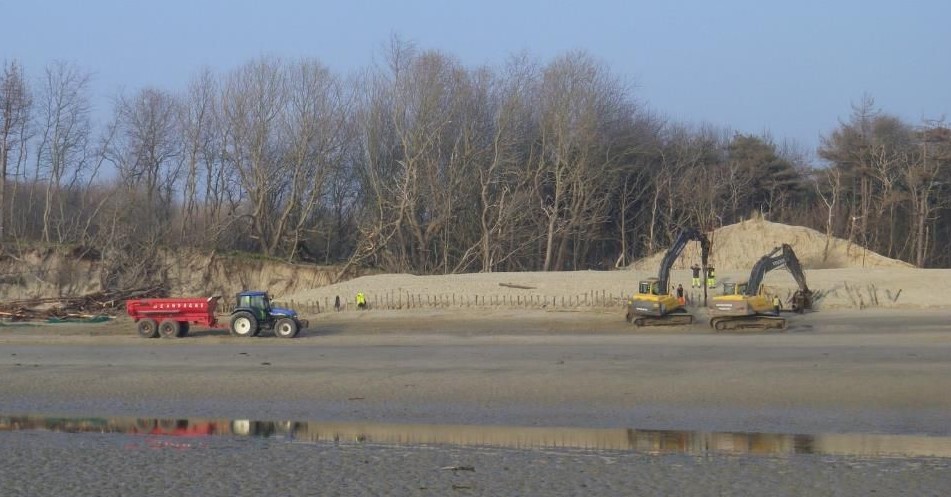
{"x":420,"y":164}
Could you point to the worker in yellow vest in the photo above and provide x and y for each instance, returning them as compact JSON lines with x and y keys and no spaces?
{"x":361,"y":301}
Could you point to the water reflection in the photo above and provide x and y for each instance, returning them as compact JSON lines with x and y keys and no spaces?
{"x":645,"y":441}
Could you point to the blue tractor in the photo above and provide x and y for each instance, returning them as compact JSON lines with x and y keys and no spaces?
{"x":254,"y":313}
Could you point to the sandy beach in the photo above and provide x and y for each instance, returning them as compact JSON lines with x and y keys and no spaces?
{"x":839,"y":372}
{"x":879,"y":371}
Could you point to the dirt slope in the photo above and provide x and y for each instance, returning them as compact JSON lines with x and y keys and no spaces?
{"x":56,"y":272}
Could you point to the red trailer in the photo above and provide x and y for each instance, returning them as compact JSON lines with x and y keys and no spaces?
{"x":171,"y":318}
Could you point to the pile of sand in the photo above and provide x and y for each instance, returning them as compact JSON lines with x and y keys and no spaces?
{"x":739,"y":246}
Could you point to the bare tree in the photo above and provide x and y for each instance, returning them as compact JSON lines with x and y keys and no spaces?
{"x":886,"y":169}
{"x":198,"y":116}
{"x":379,"y":214}
{"x":579,"y":157}
{"x":689,"y":186}
{"x":148,"y":151}
{"x":253,"y":101}
{"x":62,"y":152}
{"x":318,"y":136}
{"x":502,"y":187}
{"x":923,"y":178}
{"x":145,"y":147}
{"x":426,"y":123}
{"x":422,"y":140}
{"x":851,"y":147}
{"x":15,"y":105}
{"x":828,"y":185}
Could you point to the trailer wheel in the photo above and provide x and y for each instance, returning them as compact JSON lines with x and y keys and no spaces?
{"x":243,"y":324}
{"x":168,"y":424}
{"x":285,"y":328}
{"x":147,"y":328}
{"x":170,"y":328}
{"x":144,"y":424}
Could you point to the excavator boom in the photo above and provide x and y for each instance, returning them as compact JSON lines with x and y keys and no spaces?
{"x":663,"y":274}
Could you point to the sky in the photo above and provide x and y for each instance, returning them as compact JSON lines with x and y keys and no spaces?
{"x":791,"y":69}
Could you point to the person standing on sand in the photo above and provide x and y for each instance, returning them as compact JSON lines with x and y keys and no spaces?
{"x":361,"y":301}
{"x":680,"y":295}
{"x":777,"y":304}
{"x":711,"y":279}
{"x":337,"y":303}
{"x":695,"y":282}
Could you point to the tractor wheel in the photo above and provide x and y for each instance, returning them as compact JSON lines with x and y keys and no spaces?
{"x":244,"y":324}
{"x":241,"y":427}
{"x":147,"y":328}
{"x":285,"y":328}
{"x":170,"y":329}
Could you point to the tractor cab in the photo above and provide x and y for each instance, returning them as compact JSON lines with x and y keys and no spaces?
{"x":257,"y":302}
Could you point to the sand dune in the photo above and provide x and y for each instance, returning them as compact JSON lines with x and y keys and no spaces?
{"x":849,"y":277}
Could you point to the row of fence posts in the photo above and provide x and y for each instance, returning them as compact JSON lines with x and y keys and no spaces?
{"x":406,"y":300}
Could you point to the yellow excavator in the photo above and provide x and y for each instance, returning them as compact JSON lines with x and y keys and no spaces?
{"x":747,"y":305}
{"x":653,"y":304}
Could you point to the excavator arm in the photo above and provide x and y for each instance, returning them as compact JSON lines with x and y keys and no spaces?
{"x":783,"y":256}
{"x":773,"y":260}
{"x":792,"y":264}
{"x":663,"y":274}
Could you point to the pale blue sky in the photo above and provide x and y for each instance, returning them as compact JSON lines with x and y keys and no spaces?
{"x":791,"y":68}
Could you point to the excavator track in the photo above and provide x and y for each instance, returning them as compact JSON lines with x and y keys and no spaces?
{"x":674,"y":319}
{"x":740,"y":323}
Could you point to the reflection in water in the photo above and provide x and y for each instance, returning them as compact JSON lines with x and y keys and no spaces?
{"x":645,"y":441}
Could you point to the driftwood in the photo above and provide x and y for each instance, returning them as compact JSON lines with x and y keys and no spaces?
{"x":521,"y":287}
{"x":84,"y":306}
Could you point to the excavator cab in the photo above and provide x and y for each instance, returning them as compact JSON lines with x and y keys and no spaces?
{"x":648,"y":287}
{"x":732,"y":288}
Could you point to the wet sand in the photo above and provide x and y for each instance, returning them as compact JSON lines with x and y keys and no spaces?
{"x":44,"y":464}
{"x":833,"y":372}
{"x":878,"y":372}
